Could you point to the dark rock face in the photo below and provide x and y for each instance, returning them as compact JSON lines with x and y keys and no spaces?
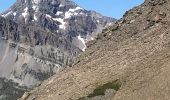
{"x":29,"y":55}
{"x":8,"y":29}
{"x":39,"y":37}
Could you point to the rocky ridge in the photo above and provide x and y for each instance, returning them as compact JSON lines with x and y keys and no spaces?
{"x":128,"y":61}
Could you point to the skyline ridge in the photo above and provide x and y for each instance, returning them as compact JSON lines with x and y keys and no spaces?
{"x":105,"y":8}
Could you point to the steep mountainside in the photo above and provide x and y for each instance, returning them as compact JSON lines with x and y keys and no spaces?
{"x":129,"y":61}
{"x":39,"y":37}
{"x":31,"y":55}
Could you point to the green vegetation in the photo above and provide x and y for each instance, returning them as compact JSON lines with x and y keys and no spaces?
{"x":99,"y":91}
{"x":10,"y":90}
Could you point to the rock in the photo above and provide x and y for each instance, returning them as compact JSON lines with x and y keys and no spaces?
{"x":155,"y":2}
{"x":25,"y":96}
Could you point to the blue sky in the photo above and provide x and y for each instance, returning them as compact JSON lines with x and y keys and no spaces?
{"x":112,"y":8}
{"x":5,"y":4}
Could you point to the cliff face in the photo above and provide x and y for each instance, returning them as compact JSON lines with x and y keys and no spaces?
{"x":29,"y":55}
{"x":128,"y":61}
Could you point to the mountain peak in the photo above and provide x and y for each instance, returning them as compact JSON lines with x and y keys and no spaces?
{"x":31,"y":10}
{"x":57,"y":16}
{"x":53,"y":2}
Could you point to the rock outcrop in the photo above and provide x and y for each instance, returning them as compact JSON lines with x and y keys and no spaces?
{"x":129,"y":61}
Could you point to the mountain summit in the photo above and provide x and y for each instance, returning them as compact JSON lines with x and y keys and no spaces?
{"x":61,"y":16}
{"x":129,"y":61}
{"x":40,"y":37}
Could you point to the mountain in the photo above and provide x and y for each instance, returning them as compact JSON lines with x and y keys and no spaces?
{"x":38,"y":38}
{"x":62,"y":16}
{"x":129,"y":61}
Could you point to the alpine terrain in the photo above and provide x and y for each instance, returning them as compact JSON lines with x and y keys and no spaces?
{"x":130,"y":60}
{"x":38,"y":38}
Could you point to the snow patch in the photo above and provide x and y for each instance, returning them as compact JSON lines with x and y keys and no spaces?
{"x":62,"y":25}
{"x":75,"y":9}
{"x":35,"y":17}
{"x":48,"y":16}
{"x":59,"y":13}
{"x":61,"y":5}
{"x":82,"y":43}
{"x":5,"y":15}
{"x":72,"y":12}
{"x":68,"y":14}
{"x":81,"y":13}
{"x":35,"y":8}
{"x":14,"y":13}
{"x":25,"y":13}
{"x":79,"y":8}
{"x":36,"y":1}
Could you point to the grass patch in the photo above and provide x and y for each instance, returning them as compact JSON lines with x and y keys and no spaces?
{"x":101,"y":89}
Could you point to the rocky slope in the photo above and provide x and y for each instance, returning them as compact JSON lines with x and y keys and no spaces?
{"x":128,"y":61}
{"x":39,"y":37}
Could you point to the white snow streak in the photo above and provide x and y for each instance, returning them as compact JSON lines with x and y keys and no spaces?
{"x":14,"y":13}
{"x":7,"y":14}
{"x":59,"y":13}
{"x":48,"y":16}
{"x":35,"y":17}
{"x":25,"y":13}
{"x":36,"y":1}
{"x":61,"y":5}
{"x":72,"y":12}
{"x":82,"y":42}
